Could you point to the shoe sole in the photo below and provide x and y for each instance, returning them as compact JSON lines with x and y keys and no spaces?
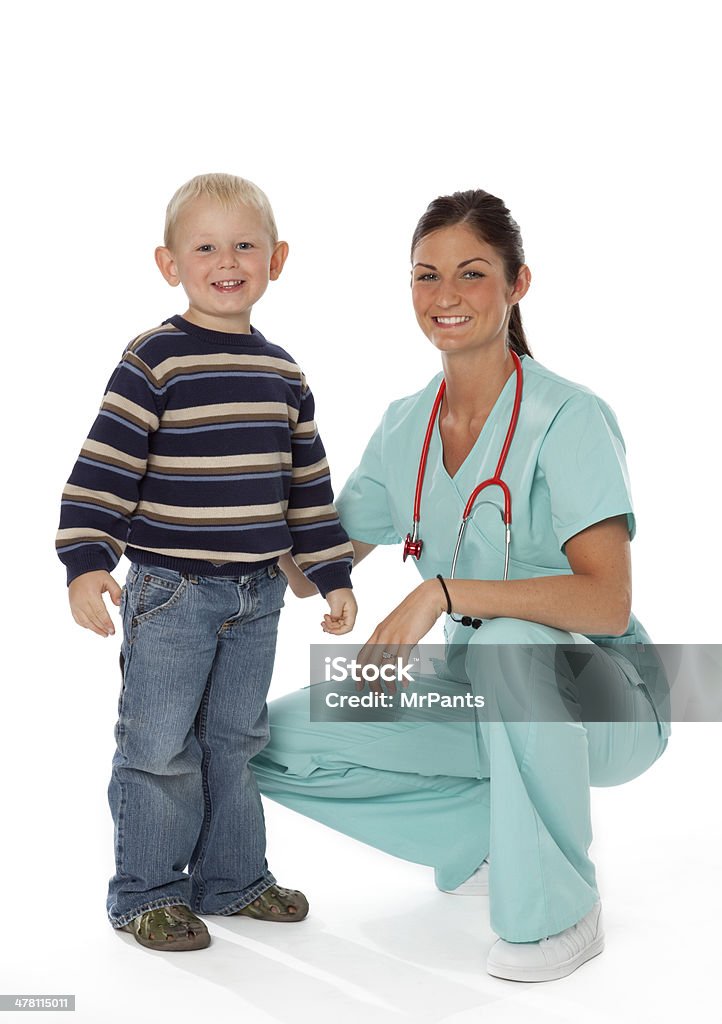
{"x":552,"y":973}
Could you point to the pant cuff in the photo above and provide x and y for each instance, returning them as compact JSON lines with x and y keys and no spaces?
{"x":265,"y":882}
{"x":168,"y":901}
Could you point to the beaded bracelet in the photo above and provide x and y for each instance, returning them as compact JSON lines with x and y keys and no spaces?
{"x":465,"y":620}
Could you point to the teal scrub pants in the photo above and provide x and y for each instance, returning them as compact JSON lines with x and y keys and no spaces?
{"x":507,"y":786}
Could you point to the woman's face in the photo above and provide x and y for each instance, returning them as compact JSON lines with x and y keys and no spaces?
{"x":461,"y":297}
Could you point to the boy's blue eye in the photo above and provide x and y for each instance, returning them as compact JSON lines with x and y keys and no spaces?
{"x":205,"y":248}
{"x":244,"y":245}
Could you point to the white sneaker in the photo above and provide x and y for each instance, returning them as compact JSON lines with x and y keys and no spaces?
{"x":476,"y":884}
{"x":550,"y":958}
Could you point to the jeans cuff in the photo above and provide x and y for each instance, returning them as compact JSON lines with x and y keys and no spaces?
{"x":167,"y":901}
{"x":265,"y":882}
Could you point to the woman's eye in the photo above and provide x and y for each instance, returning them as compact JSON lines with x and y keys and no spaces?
{"x":426,"y":277}
{"x":472,"y":274}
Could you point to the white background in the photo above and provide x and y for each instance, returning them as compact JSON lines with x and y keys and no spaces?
{"x":598,"y":125}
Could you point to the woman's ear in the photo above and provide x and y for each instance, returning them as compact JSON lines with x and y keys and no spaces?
{"x":521,"y":285}
{"x":167,"y":265}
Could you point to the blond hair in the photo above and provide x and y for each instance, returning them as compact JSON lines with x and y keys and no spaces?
{"x":227,"y":189}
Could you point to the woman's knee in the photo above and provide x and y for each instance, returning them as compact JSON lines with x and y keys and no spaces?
{"x":514,"y":664}
{"x":622,"y":751}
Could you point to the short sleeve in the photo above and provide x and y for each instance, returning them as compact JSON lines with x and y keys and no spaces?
{"x":363,"y":505}
{"x":583,"y":461}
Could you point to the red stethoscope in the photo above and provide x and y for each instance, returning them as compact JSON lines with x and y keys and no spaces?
{"x":413,"y":544}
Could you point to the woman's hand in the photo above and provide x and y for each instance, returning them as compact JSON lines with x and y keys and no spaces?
{"x":400,"y":631}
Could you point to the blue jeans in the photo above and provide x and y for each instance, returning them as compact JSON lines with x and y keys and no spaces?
{"x":197,"y":659}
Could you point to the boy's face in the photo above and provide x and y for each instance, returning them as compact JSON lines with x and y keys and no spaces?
{"x":224,"y":259}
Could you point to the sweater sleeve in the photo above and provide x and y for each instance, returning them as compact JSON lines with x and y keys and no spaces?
{"x":104,"y":486}
{"x":321,"y":546}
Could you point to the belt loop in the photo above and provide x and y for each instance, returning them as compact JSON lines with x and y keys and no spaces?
{"x":273,"y":570}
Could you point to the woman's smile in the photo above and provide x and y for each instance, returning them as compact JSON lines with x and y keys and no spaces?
{"x":451,"y":321}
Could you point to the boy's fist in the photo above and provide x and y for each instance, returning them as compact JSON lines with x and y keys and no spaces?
{"x":85,"y":594}
{"x":342,"y":611}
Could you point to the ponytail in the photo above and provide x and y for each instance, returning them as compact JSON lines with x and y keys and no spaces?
{"x":517,"y":337}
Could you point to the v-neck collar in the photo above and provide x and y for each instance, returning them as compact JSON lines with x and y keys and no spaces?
{"x":510,"y":383}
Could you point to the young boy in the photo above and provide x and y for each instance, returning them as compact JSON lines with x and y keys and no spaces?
{"x":204,"y":467}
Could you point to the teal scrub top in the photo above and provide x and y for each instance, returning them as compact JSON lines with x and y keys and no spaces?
{"x":566,"y":470}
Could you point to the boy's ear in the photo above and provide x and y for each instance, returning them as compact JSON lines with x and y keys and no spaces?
{"x":278,"y":258}
{"x":166,"y":265}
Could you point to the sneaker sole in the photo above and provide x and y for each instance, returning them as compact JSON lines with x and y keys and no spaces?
{"x":551,"y":973}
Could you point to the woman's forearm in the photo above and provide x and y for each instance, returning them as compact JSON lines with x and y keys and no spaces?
{"x":578,"y":603}
{"x":596,"y":598}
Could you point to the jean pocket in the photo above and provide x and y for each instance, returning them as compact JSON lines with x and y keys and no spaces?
{"x":154,"y":594}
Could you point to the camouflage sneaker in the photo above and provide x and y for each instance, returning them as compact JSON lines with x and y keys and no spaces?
{"x":173,"y":929}
{"x":277,"y":904}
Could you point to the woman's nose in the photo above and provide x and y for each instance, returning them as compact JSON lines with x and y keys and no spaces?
{"x":447,"y":294}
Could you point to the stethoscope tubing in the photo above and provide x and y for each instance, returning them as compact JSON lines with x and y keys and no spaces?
{"x":413,"y":544}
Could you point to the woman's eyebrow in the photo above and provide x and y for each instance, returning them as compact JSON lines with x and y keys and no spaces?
{"x":464,"y":263}
{"x":473,"y":260}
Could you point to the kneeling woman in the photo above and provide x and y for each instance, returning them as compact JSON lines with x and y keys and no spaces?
{"x":504,"y":800}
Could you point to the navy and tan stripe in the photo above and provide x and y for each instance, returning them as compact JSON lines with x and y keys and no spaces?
{"x":307,"y":474}
{"x":103,"y":499}
{"x":136,"y":363}
{"x":79,"y":535}
{"x":306,"y":559}
{"x":239,"y":515}
{"x":214,"y":555}
{"x":109,"y":456}
{"x":223,"y":362}
{"x":131,"y":411}
{"x":154,"y":332}
{"x":230,"y":412}
{"x":305,"y":430}
{"x":309,"y":516}
{"x":217,"y":465}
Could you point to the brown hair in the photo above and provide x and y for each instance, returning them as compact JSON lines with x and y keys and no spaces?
{"x":490,"y":221}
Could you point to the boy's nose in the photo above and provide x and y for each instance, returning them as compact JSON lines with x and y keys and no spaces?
{"x":227,"y":258}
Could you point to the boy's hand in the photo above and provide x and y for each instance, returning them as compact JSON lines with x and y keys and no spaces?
{"x":85,"y":594}
{"x":343,"y":608}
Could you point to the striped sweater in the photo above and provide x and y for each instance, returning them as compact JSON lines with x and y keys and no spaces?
{"x":204,"y":458}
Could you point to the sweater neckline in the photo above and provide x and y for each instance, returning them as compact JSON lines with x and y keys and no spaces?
{"x":253,"y":340}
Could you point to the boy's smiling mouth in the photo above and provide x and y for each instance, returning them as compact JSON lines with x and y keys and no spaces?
{"x":227,"y":286}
